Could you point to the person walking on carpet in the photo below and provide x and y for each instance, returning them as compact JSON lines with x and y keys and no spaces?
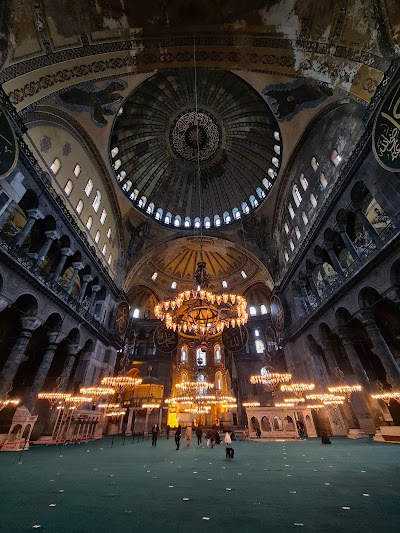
{"x":167,"y":429}
{"x":227,"y":439}
{"x":154,"y":435}
{"x":199,"y":433}
{"x":188,"y":435}
{"x":178,"y":434}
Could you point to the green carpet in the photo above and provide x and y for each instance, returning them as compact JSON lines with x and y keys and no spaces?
{"x":275,"y":486}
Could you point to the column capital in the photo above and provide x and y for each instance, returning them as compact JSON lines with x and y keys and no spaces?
{"x":52,"y":234}
{"x":66,"y":251}
{"x":367,"y":317}
{"x":87,"y":278}
{"x":30,"y":323}
{"x":78,"y":265}
{"x":72,"y":349}
{"x":55,"y":337}
{"x":96,"y":288}
{"x":327,"y":245}
{"x":302,"y":283}
{"x":34,"y":213}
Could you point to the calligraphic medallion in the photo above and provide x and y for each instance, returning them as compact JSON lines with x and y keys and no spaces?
{"x":165,"y":340}
{"x":277,"y":314}
{"x":386,"y":132}
{"x":8,"y":146}
{"x":234,"y":339}
{"x":121,"y":318}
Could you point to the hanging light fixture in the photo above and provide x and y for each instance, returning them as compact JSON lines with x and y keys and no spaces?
{"x":270,"y":379}
{"x":199,"y":312}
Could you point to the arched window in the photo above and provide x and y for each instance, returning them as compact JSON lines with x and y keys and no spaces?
{"x":253,"y":201}
{"x":96,"y":201}
{"x":271,"y":173}
{"x":136,"y":313}
{"x":253,"y":311}
{"x":286,"y":227}
{"x":296,"y":195}
{"x":117,"y":164}
{"x":235,"y":213}
{"x":177,"y":221}
{"x":97,"y":237}
{"x":217,"y":353}
{"x":55,"y":166}
{"x":259,"y":346}
{"x":197,"y":222}
{"x":323,"y":181}
{"x":275,"y":161}
{"x":121,"y":176}
{"x":207,"y":223}
{"x":89,"y":223}
{"x":134,"y":195}
{"x":304,"y":182}
{"x":142,"y":201}
{"x":173,"y":285}
{"x":263,"y":309}
{"x":313,"y":200}
{"x":79,"y":207}
{"x":297,"y":231}
{"x":256,"y":332}
{"x":168,"y":218}
{"x":104,"y":250}
{"x":291,"y":245}
{"x":77,"y":170}
{"x":68,"y":187}
{"x":304,"y":217}
{"x":226,"y":217}
{"x":314,"y":164}
{"x":245,"y":208}
{"x":150,"y":208}
{"x":266,"y":184}
{"x":109,"y":259}
{"x":109,"y":233}
{"x":217,"y":220}
{"x":291,"y":212}
{"x":260,"y":192}
{"x":335,"y":158}
{"x":276,"y":135}
{"x":187,"y":222}
{"x":277,"y":149}
{"x":224,"y":284}
{"x":201,"y":359}
{"x":159,"y":213}
{"x":218,"y":380}
{"x":184,"y":354}
{"x":114,"y":151}
{"x":88,"y":188}
{"x":244,"y":275}
{"x":127,"y":186}
{"x":103,"y":217}
{"x":286,"y":256}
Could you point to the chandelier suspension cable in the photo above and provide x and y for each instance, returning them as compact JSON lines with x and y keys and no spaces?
{"x":198,"y":170}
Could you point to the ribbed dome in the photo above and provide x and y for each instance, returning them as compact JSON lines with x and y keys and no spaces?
{"x":155,"y":142}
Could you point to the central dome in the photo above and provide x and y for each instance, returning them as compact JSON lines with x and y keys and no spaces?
{"x":164,"y":130}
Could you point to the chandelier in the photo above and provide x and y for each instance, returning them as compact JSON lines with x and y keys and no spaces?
{"x":347,"y":390}
{"x":201,"y":313}
{"x":270,"y":379}
{"x":387,"y":397}
{"x":297,"y":388}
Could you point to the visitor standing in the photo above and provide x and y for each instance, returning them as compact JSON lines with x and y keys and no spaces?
{"x":227,"y":439}
{"x":199,"y":434}
{"x":168,"y":429}
{"x":188,"y":435}
{"x":154,"y":435}
{"x":178,"y":434}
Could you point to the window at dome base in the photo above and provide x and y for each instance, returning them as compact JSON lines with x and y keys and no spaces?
{"x":194,"y":136}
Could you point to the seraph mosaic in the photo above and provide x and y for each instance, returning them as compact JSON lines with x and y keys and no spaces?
{"x":99,"y":101}
{"x":287,"y":99}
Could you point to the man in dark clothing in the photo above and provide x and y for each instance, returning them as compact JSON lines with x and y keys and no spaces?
{"x":178,"y":434}
{"x":167,"y":429}
{"x":199,"y":433}
{"x":154,"y":435}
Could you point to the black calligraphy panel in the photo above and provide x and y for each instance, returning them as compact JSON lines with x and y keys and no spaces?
{"x":234,"y":339}
{"x":277,"y":314}
{"x":386,"y":132}
{"x":121,"y":318}
{"x":8,"y":146}
{"x":165,"y":339}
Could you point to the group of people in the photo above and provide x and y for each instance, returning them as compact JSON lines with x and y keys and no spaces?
{"x":212,"y":435}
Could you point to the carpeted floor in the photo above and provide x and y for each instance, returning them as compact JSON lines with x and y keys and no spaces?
{"x":350,"y":486}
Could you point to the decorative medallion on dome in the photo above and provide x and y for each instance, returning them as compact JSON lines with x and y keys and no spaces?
{"x":187,"y":136}
{"x":170,"y":131}
{"x":277,"y":314}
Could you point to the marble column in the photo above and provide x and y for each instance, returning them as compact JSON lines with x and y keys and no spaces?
{"x":65,"y":252}
{"x":335,"y":261}
{"x":347,"y":241}
{"x":325,"y":280}
{"x":87,"y":278}
{"x":51,"y":236}
{"x":129,"y":423}
{"x":392,"y":369}
{"x":29,"y":324}
{"x":369,"y":228}
{"x":95,"y":290}
{"x":329,"y":356}
{"x":43,"y":370}
{"x":33,"y":216}
{"x":304,"y":294}
{"x":313,"y":286}
{"x":77,"y":267}
{"x":68,"y":365}
{"x":6,"y":213}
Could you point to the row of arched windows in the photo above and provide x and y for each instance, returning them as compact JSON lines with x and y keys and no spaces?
{"x":201,"y":357}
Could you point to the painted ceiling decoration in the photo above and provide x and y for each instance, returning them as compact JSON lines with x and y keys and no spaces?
{"x":154,"y":147}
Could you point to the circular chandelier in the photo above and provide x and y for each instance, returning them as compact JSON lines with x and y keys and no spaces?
{"x":121,"y":382}
{"x":345,"y":389}
{"x":270,"y":379}
{"x":387,"y":397}
{"x":297,"y":388}
{"x":201,"y":313}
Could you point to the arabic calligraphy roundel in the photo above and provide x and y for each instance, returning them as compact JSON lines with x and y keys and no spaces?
{"x":386,"y":132}
{"x":234,"y":339}
{"x":277,"y":314}
{"x":165,"y":340}
{"x":121,"y":318}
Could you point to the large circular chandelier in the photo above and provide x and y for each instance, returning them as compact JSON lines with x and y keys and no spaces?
{"x":201,"y":313}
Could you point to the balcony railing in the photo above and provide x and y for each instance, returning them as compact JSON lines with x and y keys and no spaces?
{"x":45,"y":279}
